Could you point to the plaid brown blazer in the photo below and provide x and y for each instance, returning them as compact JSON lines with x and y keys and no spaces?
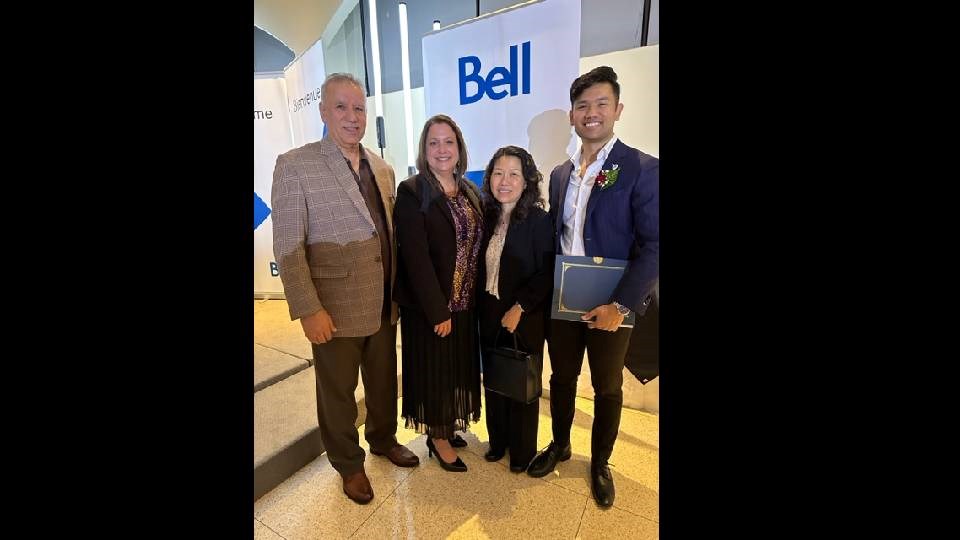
{"x":324,"y":239}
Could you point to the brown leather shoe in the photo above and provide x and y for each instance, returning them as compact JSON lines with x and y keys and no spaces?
{"x":357,"y":487}
{"x":400,"y":456}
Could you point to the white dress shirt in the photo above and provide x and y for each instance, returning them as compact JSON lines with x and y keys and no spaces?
{"x":578,"y":194}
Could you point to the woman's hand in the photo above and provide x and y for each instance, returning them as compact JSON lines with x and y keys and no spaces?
{"x":443,"y":329}
{"x":511,"y":318}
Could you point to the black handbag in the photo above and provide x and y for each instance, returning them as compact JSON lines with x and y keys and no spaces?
{"x":511,"y":372}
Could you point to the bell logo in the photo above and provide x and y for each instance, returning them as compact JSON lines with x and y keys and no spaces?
{"x":499,"y":76}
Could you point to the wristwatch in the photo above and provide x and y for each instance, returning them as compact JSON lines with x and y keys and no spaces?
{"x":621,"y":309}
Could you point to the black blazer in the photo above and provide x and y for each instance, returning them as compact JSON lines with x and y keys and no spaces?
{"x":427,"y":246}
{"x":526,"y":276}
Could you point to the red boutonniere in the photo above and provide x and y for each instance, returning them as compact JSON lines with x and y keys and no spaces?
{"x":607,"y":178}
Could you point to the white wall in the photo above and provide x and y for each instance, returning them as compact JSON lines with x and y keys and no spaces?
{"x":638,"y":72}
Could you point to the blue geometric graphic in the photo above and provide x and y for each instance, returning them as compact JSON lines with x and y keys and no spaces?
{"x":475,"y":176}
{"x":260,"y":210}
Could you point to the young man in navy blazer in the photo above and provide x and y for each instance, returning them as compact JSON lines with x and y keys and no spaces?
{"x":605,"y":202}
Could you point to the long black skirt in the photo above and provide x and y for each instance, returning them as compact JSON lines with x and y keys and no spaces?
{"x":441,"y":376}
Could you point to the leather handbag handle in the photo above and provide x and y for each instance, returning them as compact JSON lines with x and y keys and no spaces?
{"x":516,"y":349}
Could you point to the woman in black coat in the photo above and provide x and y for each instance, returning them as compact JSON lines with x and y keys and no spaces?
{"x":439,"y":229}
{"x":515,"y":287}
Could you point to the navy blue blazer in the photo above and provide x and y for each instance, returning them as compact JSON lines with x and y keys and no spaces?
{"x":622,"y":221}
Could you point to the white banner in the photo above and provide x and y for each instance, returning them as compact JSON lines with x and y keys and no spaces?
{"x":505,"y":79}
{"x":271,"y":137}
{"x":304,"y":77}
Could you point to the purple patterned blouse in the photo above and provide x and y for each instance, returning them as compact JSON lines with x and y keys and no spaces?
{"x":469,"y":233}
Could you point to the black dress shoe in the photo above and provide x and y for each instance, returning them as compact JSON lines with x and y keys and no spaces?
{"x":457,"y":441}
{"x":602,"y":484}
{"x":456,"y":466}
{"x":547,"y":460}
{"x":494,"y":454}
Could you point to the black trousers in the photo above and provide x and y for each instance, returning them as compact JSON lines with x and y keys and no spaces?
{"x":336,"y":364}
{"x":605,"y":352}
{"x":511,"y":424}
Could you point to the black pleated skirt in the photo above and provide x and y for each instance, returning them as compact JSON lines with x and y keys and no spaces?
{"x":441,"y":376}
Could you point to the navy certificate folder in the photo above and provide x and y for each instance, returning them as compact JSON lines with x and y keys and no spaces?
{"x":583,"y":283}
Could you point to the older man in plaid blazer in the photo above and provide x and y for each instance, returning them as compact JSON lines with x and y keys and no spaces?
{"x":333,"y":240}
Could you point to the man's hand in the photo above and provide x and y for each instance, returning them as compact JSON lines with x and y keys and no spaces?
{"x":607,"y":318}
{"x":443,"y":329}
{"x":511,"y":318}
{"x":318,"y":327}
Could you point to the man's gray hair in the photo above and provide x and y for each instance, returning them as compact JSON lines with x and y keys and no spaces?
{"x":340,"y":77}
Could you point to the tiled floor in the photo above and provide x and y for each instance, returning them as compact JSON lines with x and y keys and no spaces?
{"x":488,"y":501}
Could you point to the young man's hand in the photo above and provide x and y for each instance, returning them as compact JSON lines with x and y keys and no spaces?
{"x":607,"y":318}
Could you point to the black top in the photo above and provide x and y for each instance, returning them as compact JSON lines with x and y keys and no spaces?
{"x":526,"y":263}
{"x":427,"y":245}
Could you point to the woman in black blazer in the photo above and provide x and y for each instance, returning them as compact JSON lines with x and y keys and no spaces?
{"x":515,"y":286}
{"x":439,"y":230}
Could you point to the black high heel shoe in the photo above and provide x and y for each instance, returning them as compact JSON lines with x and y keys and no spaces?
{"x":456,"y":466}
{"x":457,"y":441}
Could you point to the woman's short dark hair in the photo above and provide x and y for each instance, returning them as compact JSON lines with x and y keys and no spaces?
{"x":531,"y":186}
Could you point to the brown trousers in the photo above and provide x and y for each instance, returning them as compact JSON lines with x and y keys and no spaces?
{"x":336,"y":364}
